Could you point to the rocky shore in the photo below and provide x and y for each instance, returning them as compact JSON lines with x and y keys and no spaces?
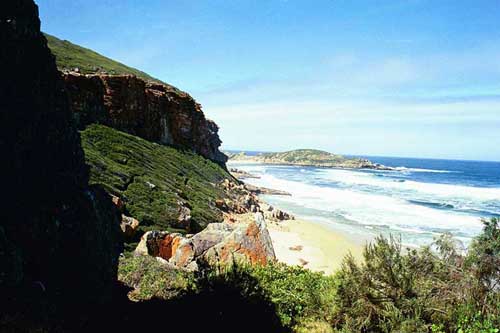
{"x":242,"y":237}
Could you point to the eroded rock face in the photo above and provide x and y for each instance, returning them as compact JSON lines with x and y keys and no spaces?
{"x":172,"y":247}
{"x":152,"y":111}
{"x":60,"y":232}
{"x":247,"y":242}
{"x":219,"y":244}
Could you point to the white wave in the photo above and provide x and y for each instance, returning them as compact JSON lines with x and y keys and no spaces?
{"x":372,"y":209}
{"x":423,"y":170}
{"x":442,"y":190}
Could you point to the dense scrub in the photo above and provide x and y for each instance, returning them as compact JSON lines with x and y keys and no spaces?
{"x":296,"y":296}
{"x":399,"y":290}
{"x":393,"y":290}
{"x":152,"y":179}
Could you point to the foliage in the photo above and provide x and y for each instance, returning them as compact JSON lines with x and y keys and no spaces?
{"x":150,"y":278}
{"x":410,"y":290}
{"x":152,"y":178}
{"x":296,"y":294}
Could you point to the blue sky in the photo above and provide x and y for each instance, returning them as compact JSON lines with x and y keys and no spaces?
{"x":396,"y":78}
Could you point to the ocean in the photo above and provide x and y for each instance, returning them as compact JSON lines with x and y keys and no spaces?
{"x":416,"y":203}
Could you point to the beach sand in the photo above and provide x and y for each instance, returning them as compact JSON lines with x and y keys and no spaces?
{"x":312,"y":245}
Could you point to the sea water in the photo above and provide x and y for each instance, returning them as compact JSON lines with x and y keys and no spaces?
{"x":420,"y":200}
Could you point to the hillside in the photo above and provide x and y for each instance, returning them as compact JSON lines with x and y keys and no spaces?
{"x":308,"y":157}
{"x":70,"y":56}
{"x":153,"y":180}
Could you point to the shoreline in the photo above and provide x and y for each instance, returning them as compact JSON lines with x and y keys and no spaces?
{"x":311,"y":245}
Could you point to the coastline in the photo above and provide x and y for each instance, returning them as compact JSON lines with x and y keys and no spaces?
{"x":311,"y":245}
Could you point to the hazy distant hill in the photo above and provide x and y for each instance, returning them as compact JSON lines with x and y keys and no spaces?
{"x":308,"y":157}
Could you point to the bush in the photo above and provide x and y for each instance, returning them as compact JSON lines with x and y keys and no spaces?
{"x":295,"y":293}
{"x":422,"y":290}
{"x":151,"y":279}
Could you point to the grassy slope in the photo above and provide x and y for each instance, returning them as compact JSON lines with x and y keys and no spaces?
{"x":70,"y":56}
{"x":124,"y":164}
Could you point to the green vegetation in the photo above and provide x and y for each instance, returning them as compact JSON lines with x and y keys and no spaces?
{"x":300,"y":155}
{"x":307,"y":157}
{"x":70,"y":56}
{"x":392,"y":290}
{"x":297,"y":296}
{"x":152,"y":279}
{"x":422,"y":290}
{"x":152,"y":179}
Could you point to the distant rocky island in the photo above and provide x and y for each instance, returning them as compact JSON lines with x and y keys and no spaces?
{"x":308,"y":157}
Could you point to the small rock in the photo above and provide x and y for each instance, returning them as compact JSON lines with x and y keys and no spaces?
{"x":296,"y":248}
{"x":129,"y":225}
{"x":303,"y":262}
{"x":118,"y":202}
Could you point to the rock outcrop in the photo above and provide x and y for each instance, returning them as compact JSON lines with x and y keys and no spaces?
{"x":244,"y":198}
{"x":219,"y":244}
{"x":62,"y":236}
{"x":152,"y":111}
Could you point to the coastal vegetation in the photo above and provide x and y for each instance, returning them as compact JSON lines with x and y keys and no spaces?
{"x":393,"y":289}
{"x":307,"y":157}
{"x":64,"y":268}
{"x":153,"y":180}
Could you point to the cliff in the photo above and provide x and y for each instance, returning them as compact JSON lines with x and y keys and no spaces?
{"x":104,"y":91}
{"x":153,"y":111}
{"x":58,"y":235}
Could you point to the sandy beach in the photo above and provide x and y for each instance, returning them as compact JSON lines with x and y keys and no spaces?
{"x":311,"y":245}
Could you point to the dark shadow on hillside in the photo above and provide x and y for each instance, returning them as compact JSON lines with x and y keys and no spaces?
{"x":219,"y":307}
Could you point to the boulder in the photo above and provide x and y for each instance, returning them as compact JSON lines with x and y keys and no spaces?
{"x":129,"y":226}
{"x":247,"y":242}
{"x":213,"y":234}
{"x":118,"y":202}
{"x":172,"y":247}
{"x":219,"y":244}
{"x":184,"y":218}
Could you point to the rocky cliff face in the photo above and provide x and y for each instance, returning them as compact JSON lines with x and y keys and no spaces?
{"x":56,"y":233}
{"x":152,"y":111}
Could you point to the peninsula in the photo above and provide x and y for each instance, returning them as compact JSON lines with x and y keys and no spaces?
{"x":308,"y":157}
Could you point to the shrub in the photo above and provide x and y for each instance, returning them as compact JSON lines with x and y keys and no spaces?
{"x":422,"y":290}
{"x":151,"y":279}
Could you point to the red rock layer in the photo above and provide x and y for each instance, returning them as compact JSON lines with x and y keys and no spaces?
{"x":152,"y":111}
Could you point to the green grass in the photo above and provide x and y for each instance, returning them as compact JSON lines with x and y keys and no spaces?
{"x":126,"y":165}
{"x":70,"y":56}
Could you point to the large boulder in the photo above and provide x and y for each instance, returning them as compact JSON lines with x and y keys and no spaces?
{"x":219,"y":244}
{"x":248,"y":241}
{"x":172,"y":247}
